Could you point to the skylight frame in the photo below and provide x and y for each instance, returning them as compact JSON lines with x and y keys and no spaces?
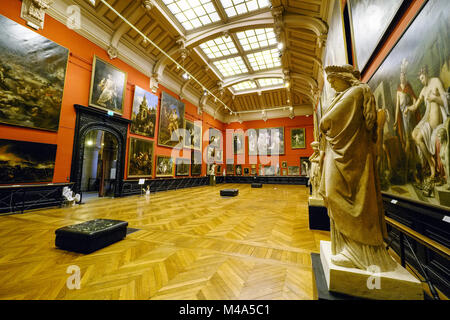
{"x":244,"y":86}
{"x":229,"y":67}
{"x":220,"y":47}
{"x":265,"y":59}
{"x":270,"y":82}
{"x":255,"y":39}
{"x":235,"y":8}
{"x":193,"y":14}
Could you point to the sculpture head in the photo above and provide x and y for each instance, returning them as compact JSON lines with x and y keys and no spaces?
{"x":342,"y":77}
{"x":423,"y":75}
{"x":315,"y":145}
{"x":402,"y":78}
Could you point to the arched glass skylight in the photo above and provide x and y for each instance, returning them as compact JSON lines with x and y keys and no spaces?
{"x":219,"y":47}
{"x":231,"y":66}
{"x":256,"y":38}
{"x":266,"y":59}
{"x":245,"y":85}
{"x":269,"y":82}
{"x":193,"y":14}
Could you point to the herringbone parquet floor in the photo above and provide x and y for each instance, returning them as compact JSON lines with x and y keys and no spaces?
{"x":192,"y":244}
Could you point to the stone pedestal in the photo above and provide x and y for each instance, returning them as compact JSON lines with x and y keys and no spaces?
{"x":394,"y":285}
{"x":318,"y":215}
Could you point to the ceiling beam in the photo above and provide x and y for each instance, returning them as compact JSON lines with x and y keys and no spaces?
{"x":273,"y":73}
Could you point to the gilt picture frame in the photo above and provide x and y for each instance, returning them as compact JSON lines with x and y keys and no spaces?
{"x":108,"y":86}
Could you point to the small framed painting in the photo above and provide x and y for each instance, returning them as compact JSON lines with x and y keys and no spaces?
{"x":298,"y":138}
{"x":164,"y":166}
{"x":108,"y":86}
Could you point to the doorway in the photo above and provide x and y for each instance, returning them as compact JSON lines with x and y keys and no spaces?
{"x":99,"y":169}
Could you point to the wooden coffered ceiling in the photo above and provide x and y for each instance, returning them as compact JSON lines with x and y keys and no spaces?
{"x":299,"y":24}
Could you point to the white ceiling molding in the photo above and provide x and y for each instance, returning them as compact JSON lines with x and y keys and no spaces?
{"x":310,"y":81}
{"x":300,"y":110}
{"x":274,"y":73}
{"x":294,"y":20}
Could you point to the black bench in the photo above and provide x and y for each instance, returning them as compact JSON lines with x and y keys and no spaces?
{"x":90,"y":236}
{"x":229,"y":192}
{"x":256,"y":185}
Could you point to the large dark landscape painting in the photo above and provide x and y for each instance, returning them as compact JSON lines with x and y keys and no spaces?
{"x":32,"y":75}
{"x":411,"y":90}
{"x":22,"y":161}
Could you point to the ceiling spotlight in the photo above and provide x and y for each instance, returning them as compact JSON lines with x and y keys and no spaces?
{"x":287,"y":84}
{"x":280,"y":46}
{"x":205,"y":92}
{"x":92,"y":2}
{"x":291,"y":108}
{"x":185,"y":76}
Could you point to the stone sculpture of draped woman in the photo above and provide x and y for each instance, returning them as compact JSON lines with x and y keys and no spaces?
{"x":349,"y":183}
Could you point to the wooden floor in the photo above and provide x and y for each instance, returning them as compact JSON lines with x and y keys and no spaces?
{"x":192,"y":244}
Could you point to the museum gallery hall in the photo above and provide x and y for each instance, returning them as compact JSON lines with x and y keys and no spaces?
{"x":224,"y":150}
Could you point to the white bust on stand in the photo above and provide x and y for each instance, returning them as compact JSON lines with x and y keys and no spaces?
{"x":71,"y":198}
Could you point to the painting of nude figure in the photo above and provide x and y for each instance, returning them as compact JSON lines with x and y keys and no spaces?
{"x":411,"y":89}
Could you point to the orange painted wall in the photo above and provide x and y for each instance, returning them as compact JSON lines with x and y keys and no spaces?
{"x":292,"y":156}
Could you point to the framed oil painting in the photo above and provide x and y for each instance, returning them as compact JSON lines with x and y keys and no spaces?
{"x":198,"y":136}
{"x":26,"y":162}
{"x":193,"y":135}
{"x":215,"y":138}
{"x":246,"y":171}
{"x":252,"y":142}
{"x":284,"y":172}
{"x":196,"y":163}
{"x":218,"y":155}
{"x":108,"y":86}
{"x":32,"y":77}
{"x":304,"y":166}
{"x":164,"y":166}
{"x":284,"y":164}
{"x":411,"y":89}
{"x":269,"y":170}
{"x":182,"y":167}
{"x":239,"y":170}
{"x":210,"y":154}
{"x":369,"y":21}
{"x":253,"y":171}
{"x":230,"y":169}
{"x":298,"y":138}
{"x":238,"y":143}
{"x":171,"y":122}
{"x":293,"y":171}
{"x":189,"y":134}
{"x":143,"y":114}
{"x":219,"y":170}
{"x":140,"y":158}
